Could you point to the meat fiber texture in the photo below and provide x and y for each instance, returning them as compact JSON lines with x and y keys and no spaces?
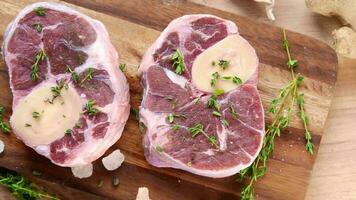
{"x":239,"y":143}
{"x":69,"y":38}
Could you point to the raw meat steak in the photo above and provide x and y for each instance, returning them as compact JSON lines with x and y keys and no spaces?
{"x":71,"y":44}
{"x":169,"y":145}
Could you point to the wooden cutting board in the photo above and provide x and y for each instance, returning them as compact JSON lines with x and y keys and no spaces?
{"x":133,"y":26}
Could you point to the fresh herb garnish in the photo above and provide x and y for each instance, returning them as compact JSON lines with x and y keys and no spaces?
{"x":175,"y":127}
{"x":40,"y":11}
{"x":212,"y":139}
{"x":223,"y":64}
{"x":213,"y":63}
{"x":199,"y":128}
{"x":196,"y":129}
{"x":225,"y":122}
{"x":22,"y":188}
{"x":88,"y":76}
{"x":36,"y":115}
{"x":213,"y":102}
{"x":135,"y":112}
{"x":170,"y":118}
{"x":74,"y":75}
{"x":178,"y":62}
{"x":4,"y":126}
{"x":219,"y":92}
{"x":159,"y":149}
{"x":309,"y":145}
{"x":90,"y":109}
{"x":78,"y":125}
{"x":38,"y":27}
{"x":56,"y":90}
{"x":237,"y":80}
{"x":215,"y":76}
{"x":68,"y":132}
{"x":233,"y":111}
{"x":197,"y":100}
{"x":216,"y":113}
{"x":122,"y":67}
{"x":282,"y":107}
{"x":28,"y":125}
{"x":173,"y":101}
{"x":40,"y":56}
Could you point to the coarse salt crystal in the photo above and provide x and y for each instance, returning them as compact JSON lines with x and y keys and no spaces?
{"x":83,"y":171}
{"x":142,"y":194}
{"x":114,"y":160}
{"x":2,"y":146}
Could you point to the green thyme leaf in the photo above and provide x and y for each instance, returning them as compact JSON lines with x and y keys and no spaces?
{"x":36,"y":115}
{"x":122,"y":67}
{"x":74,"y":75}
{"x":223,"y":64}
{"x":170,"y":118}
{"x":178,"y":62}
{"x":38,"y":27}
{"x":219,"y":92}
{"x":89,"y":75}
{"x":90,"y":109}
{"x":40,"y":11}
{"x":159,"y":149}
{"x":236,"y":80}
{"x":40,"y":56}
{"x":216,"y":113}
{"x":215,"y":76}
{"x":225,"y":122}
{"x":196,"y":129}
{"x":175,"y":127}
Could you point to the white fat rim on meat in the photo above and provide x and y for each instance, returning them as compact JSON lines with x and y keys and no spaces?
{"x":100,"y":52}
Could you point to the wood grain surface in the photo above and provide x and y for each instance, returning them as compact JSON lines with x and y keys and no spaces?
{"x":334,"y":173}
{"x":133,"y":26}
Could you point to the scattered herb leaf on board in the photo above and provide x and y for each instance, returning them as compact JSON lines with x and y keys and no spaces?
{"x":4,"y":126}
{"x":282,"y":108}
{"x":21,"y":188}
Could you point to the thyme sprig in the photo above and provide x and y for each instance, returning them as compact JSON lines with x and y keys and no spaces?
{"x":21,"y":188}
{"x":122,"y":67}
{"x":309,"y":145}
{"x":40,"y":11}
{"x":199,"y":128}
{"x":215,"y":77}
{"x":4,"y":126}
{"x":90,"y":109}
{"x":223,"y":64}
{"x":38,"y":26}
{"x":178,"y":62}
{"x":88,"y":76}
{"x":40,"y":56}
{"x":282,"y":108}
{"x":56,"y":90}
{"x":74,"y":75}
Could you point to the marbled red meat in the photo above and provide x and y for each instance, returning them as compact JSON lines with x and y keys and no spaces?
{"x":239,"y":143}
{"x":69,"y":38}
